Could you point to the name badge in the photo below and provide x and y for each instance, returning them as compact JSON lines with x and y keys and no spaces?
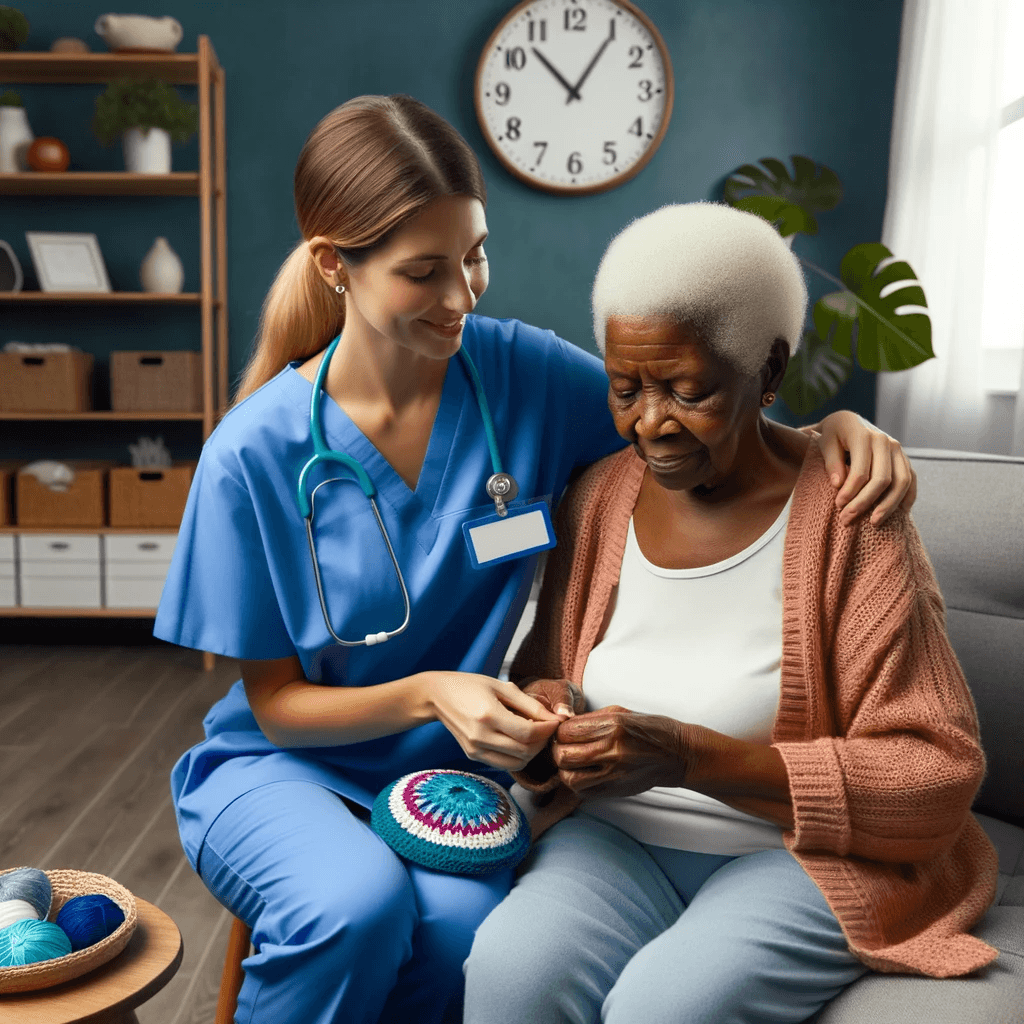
{"x":494,"y":539}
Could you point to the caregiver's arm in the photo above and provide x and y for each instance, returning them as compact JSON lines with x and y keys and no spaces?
{"x":494,"y":722}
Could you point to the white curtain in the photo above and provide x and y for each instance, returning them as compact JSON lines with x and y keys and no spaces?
{"x":946,"y":119}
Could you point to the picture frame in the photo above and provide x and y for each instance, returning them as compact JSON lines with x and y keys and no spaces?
{"x":11,"y":276}
{"x":68,"y":262}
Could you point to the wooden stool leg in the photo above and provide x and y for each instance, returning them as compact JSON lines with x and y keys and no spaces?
{"x":231,"y":979}
{"x":208,"y":661}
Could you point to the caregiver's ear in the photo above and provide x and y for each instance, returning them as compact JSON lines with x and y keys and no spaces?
{"x":774,"y":368}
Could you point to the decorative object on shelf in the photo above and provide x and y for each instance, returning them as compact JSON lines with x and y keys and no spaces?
{"x":11,"y":277}
{"x":57,"y":476}
{"x":67,"y":262}
{"x":139,"y":33}
{"x":48,"y":154}
{"x":150,"y":453}
{"x":69,"y":44}
{"x":15,"y":134}
{"x":161,"y":270}
{"x":39,"y":346}
{"x":147,"y":115}
{"x":13,"y":28}
{"x":858,"y":321}
{"x":590,"y":131}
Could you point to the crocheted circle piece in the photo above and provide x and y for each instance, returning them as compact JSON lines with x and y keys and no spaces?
{"x":451,"y":821}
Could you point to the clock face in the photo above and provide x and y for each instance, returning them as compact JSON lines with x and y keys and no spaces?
{"x":574,"y":96}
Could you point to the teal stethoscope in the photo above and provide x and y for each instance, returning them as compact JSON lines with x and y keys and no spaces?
{"x":501,"y":488}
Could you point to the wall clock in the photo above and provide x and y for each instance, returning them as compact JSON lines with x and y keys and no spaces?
{"x":574,"y":96}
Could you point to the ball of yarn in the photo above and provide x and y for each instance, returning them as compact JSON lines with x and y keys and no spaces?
{"x":87,"y":919}
{"x":30,"y":885}
{"x":28,"y":942}
{"x":16,"y":910}
{"x":451,"y":821}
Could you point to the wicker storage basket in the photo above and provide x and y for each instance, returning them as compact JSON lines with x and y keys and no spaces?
{"x":156,"y":382}
{"x":7,"y":472}
{"x":82,"y":504}
{"x":66,"y":885}
{"x":149,"y":497}
{"x":45,"y":382}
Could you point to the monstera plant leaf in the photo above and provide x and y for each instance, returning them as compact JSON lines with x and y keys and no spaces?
{"x":886,"y":340}
{"x":789,"y":202}
{"x":815,"y":373}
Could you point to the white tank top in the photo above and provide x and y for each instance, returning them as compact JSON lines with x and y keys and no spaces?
{"x":703,"y":646}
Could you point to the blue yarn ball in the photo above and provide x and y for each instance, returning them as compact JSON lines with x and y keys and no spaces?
{"x":451,"y":821}
{"x":30,"y":885}
{"x":28,"y":942}
{"x":88,"y":919}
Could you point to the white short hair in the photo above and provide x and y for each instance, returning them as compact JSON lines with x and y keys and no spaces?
{"x":727,"y":273}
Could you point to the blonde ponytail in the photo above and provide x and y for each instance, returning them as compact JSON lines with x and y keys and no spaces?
{"x":366,"y":168}
{"x":300,"y":316}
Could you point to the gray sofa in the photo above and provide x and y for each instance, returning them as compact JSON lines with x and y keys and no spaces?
{"x":970,"y":514}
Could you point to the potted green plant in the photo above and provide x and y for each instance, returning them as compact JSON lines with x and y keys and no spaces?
{"x":147,"y":115}
{"x":15,"y":134}
{"x":855,"y":322}
{"x":13,"y":28}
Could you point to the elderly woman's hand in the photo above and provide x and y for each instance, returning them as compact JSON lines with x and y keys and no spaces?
{"x":879,"y":470}
{"x":560,"y":696}
{"x":614,"y":752}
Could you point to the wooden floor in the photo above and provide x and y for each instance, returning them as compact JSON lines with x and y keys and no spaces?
{"x":88,"y":736}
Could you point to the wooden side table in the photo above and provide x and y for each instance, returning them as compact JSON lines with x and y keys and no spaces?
{"x":109,"y":994}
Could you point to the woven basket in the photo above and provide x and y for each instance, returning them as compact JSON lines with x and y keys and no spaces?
{"x":66,"y":885}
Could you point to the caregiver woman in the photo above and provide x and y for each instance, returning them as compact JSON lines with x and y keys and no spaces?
{"x":776,"y":751}
{"x":390,"y":203}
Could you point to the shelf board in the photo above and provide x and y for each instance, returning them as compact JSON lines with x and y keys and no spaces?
{"x":76,"y":613}
{"x":158,"y":298}
{"x":88,"y":529}
{"x":99,"y":183}
{"x":102,"y":414}
{"x":77,"y":68}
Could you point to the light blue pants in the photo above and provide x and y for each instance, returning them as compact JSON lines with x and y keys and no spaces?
{"x":600,"y":927}
{"x":345,"y":932}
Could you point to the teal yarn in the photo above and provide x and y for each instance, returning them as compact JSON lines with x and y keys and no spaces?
{"x":30,"y":885}
{"x":28,"y":942}
{"x":451,"y":821}
{"x":16,"y":910}
{"x":88,"y":919}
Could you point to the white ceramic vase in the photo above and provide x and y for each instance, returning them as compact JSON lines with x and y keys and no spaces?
{"x":15,"y":138}
{"x":147,"y":151}
{"x":161,"y":270}
{"x":138,"y":32}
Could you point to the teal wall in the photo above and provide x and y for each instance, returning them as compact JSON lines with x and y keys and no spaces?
{"x":753,"y":79}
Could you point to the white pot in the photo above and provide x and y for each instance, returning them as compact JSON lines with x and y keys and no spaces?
{"x":138,"y":32}
{"x":15,"y":138}
{"x":147,"y":151}
{"x":161,"y":270}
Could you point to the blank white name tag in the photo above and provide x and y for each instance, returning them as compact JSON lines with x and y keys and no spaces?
{"x":494,"y":539}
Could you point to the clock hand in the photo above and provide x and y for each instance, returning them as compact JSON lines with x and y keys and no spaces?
{"x":575,"y":91}
{"x":570,"y":88}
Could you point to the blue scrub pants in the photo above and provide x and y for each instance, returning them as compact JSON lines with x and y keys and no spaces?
{"x":345,"y":932}
{"x":601,"y":927}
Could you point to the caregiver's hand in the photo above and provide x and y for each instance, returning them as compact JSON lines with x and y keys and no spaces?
{"x":494,"y":721}
{"x":615,"y":752}
{"x":879,"y":474}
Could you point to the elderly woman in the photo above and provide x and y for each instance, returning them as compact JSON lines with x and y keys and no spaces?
{"x":765,"y":789}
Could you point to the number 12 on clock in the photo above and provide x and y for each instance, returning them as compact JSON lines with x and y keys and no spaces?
{"x":574,"y":96}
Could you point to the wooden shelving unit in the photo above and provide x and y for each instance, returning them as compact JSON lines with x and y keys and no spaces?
{"x":208,"y":185}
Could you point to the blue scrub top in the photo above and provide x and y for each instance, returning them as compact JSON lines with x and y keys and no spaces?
{"x":241,"y":580}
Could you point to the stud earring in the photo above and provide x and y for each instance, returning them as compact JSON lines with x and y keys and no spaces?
{"x":340,"y":289}
{"x":768,"y":398}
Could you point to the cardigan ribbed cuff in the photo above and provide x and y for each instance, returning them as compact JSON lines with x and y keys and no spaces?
{"x":820,"y":811}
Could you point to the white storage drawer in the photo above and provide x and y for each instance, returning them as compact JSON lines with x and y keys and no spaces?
{"x":60,"y":570}
{"x":139,"y":547}
{"x":128,"y":593}
{"x":6,"y":547}
{"x":8,"y":594}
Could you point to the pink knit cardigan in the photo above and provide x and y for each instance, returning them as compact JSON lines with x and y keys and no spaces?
{"x":876,"y":725}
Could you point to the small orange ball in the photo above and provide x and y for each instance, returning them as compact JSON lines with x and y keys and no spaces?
{"x":48,"y":154}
